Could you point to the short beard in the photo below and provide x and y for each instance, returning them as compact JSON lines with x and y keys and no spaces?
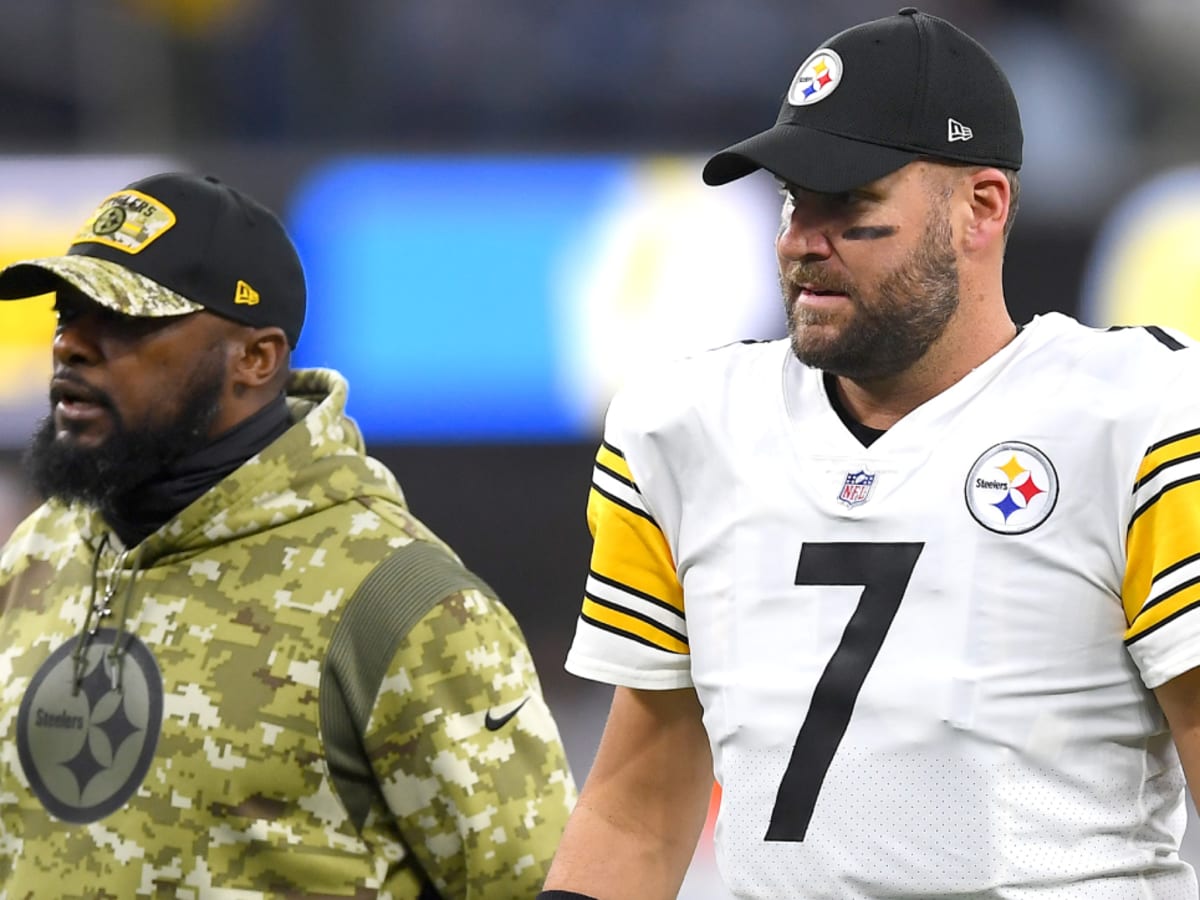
{"x":909,"y":312}
{"x":130,"y":457}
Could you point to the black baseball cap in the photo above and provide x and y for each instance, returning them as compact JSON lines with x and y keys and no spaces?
{"x":173,"y":244}
{"x":878,"y":96}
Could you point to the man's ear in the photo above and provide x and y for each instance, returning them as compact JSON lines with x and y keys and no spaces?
{"x":260,"y":358}
{"x":988,"y":202}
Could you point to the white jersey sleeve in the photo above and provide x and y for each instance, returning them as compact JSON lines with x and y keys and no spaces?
{"x":1161,"y":587}
{"x":632,"y":629}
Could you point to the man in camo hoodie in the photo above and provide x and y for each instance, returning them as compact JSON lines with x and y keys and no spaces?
{"x":233,"y":663}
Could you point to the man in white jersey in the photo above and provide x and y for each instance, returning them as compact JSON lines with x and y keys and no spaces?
{"x":919,"y":586}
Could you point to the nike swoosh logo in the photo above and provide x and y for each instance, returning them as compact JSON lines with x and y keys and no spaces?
{"x":495,"y":723}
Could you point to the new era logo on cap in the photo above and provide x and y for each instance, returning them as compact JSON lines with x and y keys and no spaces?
{"x":245,"y":295}
{"x":957,"y":131}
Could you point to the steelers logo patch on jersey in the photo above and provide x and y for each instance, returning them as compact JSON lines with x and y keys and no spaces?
{"x":1012,"y":488}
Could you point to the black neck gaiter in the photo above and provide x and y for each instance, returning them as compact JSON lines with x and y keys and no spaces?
{"x":143,"y":511}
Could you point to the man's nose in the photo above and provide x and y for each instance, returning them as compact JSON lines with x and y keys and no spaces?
{"x":74,"y":342}
{"x":804,"y":235}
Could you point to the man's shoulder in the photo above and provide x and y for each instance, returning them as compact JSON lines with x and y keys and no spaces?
{"x":1061,"y":333}
{"x":703,"y":382}
{"x":47,"y":533}
{"x":1122,"y":358}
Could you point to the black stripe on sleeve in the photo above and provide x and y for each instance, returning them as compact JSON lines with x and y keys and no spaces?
{"x":1149,"y":503}
{"x":1157,"y":333}
{"x":625,"y":634}
{"x":611,"y":449}
{"x":1182,"y":436}
{"x":1153,"y":628}
{"x":621,"y":503}
{"x":641,"y":595}
{"x":1171,"y":593}
{"x":628,"y":482}
{"x":1163,"y":338}
{"x":1165,"y":465}
{"x":1174,"y":567}
{"x":653,"y":623}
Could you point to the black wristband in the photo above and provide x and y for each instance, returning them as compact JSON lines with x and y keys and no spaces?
{"x":563,"y":895}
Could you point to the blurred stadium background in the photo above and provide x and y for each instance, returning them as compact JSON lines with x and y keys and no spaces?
{"x":499,"y":208}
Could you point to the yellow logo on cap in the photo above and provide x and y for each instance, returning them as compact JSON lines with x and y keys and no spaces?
{"x":245,"y":295}
{"x":127,"y":220}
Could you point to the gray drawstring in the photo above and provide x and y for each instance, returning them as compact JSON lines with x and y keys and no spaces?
{"x":116,"y":654}
{"x":100,"y":609}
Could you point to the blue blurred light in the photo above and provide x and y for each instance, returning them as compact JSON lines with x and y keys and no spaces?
{"x":430,"y":288}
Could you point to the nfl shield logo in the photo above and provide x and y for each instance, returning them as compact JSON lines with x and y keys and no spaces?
{"x":857,"y":488}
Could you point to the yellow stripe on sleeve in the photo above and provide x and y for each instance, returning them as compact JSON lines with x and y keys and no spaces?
{"x":632,"y":550}
{"x":1167,"y":453}
{"x":1160,"y":612}
{"x":614,"y":462}
{"x":627,"y":624}
{"x":1160,"y":537}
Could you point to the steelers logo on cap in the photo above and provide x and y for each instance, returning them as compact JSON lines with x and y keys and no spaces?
{"x":109,"y":221}
{"x":1012,"y":488}
{"x":816,"y":79}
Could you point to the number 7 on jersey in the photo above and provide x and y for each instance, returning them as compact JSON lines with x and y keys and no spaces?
{"x":883,"y":570}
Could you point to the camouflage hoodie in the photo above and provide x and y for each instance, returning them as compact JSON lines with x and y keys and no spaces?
{"x":291,"y":689}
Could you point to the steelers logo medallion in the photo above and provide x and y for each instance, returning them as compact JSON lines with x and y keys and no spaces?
{"x":109,"y":220}
{"x":88,"y":727}
{"x":1012,"y":488}
{"x":816,"y":79}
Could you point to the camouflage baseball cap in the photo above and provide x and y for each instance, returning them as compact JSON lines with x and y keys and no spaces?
{"x":174,"y":244}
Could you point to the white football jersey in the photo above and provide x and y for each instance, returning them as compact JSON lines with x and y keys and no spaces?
{"x":924,"y":664}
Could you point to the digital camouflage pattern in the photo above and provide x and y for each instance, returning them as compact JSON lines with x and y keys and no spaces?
{"x":108,"y":283}
{"x":236,"y":600}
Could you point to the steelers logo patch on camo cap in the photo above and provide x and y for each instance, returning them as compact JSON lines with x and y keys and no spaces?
{"x":127,"y":220}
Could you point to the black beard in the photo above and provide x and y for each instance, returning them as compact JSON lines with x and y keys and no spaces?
{"x":910,"y":310}
{"x":130,"y":457}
